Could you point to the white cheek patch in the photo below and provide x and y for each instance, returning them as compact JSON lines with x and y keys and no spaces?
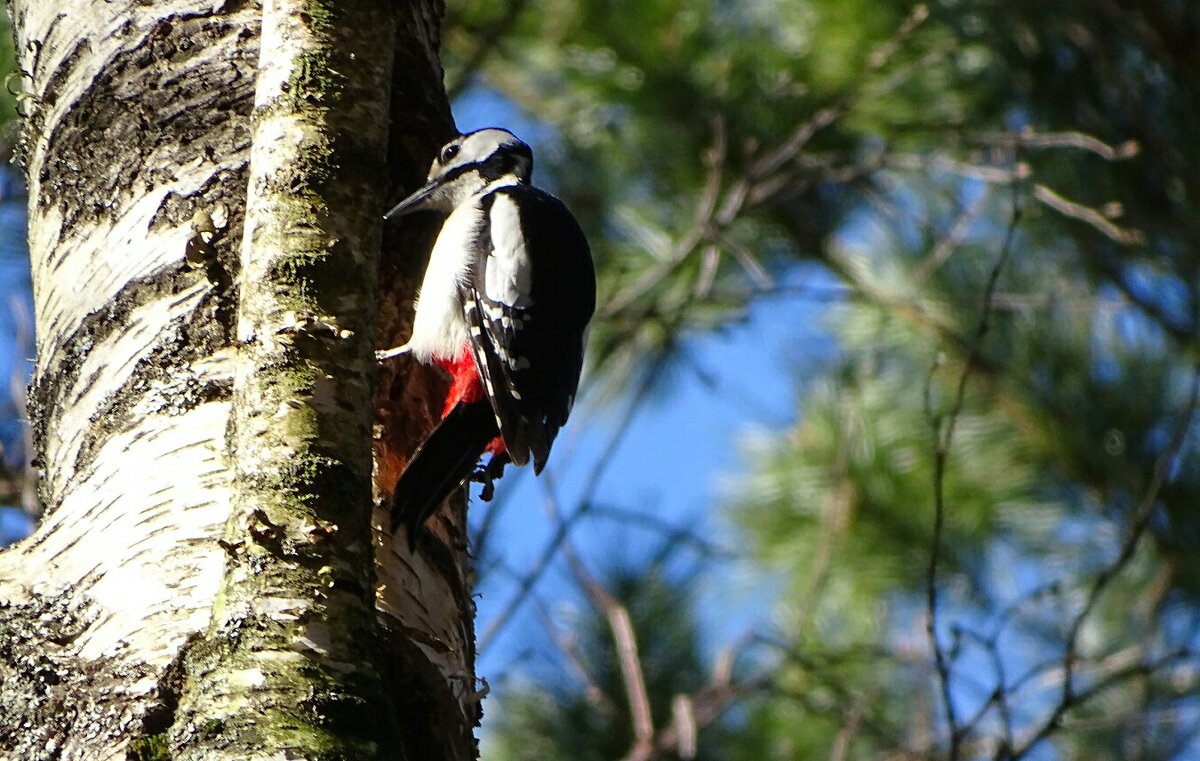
{"x":507,"y":278}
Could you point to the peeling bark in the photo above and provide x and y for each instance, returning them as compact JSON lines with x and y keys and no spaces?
{"x":204,"y":231}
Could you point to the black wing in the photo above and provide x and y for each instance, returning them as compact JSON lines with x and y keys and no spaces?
{"x":528,"y":303}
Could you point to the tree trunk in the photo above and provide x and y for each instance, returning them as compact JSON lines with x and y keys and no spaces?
{"x":204,"y":234}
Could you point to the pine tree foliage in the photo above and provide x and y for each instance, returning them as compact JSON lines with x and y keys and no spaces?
{"x":1005,"y":195}
{"x":582,"y":711}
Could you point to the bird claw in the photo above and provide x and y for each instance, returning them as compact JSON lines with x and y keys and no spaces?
{"x":487,"y":475}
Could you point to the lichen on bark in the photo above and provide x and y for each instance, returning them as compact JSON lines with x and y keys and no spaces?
{"x":290,"y":663}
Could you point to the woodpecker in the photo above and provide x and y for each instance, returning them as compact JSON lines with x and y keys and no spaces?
{"x":503,"y":308}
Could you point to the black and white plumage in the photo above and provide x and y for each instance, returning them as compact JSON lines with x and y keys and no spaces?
{"x":504,"y":307}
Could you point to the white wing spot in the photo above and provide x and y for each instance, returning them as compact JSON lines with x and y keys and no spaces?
{"x":507,"y":276}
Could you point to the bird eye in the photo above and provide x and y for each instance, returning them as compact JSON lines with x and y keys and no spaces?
{"x":449,"y":152}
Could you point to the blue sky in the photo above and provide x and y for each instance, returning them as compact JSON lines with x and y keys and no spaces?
{"x":16,"y":324}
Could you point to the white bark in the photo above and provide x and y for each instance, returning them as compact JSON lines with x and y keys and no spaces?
{"x":290,"y":667}
{"x":131,"y":408}
{"x":138,"y":584}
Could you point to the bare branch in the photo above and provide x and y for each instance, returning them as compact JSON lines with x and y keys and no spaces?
{"x":1130,"y":670}
{"x":843,"y":698}
{"x":652,"y":522}
{"x":1032,"y":139}
{"x":709,"y":265}
{"x":773,"y":160}
{"x":1090,"y":216}
{"x":624,"y":637}
{"x":591,"y":481}
{"x":953,"y":239}
{"x":630,"y":662}
{"x":845,"y":735}
{"x":683,"y":712}
{"x":883,"y":54}
{"x":706,"y":706}
{"x":943,"y":440}
{"x":596,"y":696}
{"x":971,"y":171}
{"x":1068,"y":697}
{"x":714,"y":164}
{"x":764,"y":178}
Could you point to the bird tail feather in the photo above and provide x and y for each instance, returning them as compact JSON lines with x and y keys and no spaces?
{"x":441,"y":464}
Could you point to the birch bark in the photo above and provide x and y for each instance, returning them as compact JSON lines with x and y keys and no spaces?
{"x":204,"y":232}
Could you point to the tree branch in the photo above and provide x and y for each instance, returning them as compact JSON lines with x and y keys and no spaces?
{"x":943,"y":441}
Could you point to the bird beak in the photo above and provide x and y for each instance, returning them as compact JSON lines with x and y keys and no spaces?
{"x":415,"y":202}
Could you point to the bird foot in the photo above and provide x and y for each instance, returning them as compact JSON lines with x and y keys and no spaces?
{"x":487,"y":475}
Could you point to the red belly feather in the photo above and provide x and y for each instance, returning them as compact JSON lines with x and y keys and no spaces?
{"x":466,"y":386}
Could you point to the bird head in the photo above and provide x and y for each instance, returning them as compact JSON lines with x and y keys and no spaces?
{"x":467,"y":165}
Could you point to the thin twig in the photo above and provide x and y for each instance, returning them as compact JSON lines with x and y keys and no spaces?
{"x":764,"y":173}
{"x":1032,"y":139}
{"x":652,"y":522}
{"x":683,"y":719}
{"x":591,"y":482}
{"x":954,"y":238}
{"x":619,"y":622}
{"x":943,"y":440}
{"x":707,"y":705}
{"x":1123,"y":235}
{"x":596,"y":697}
{"x":824,"y":675}
{"x":1094,"y":689}
{"x":846,"y":734}
{"x":696,"y":233}
{"x":971,"y":171}
{"x":1068,"y":697}
{"x":630,"y":662}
